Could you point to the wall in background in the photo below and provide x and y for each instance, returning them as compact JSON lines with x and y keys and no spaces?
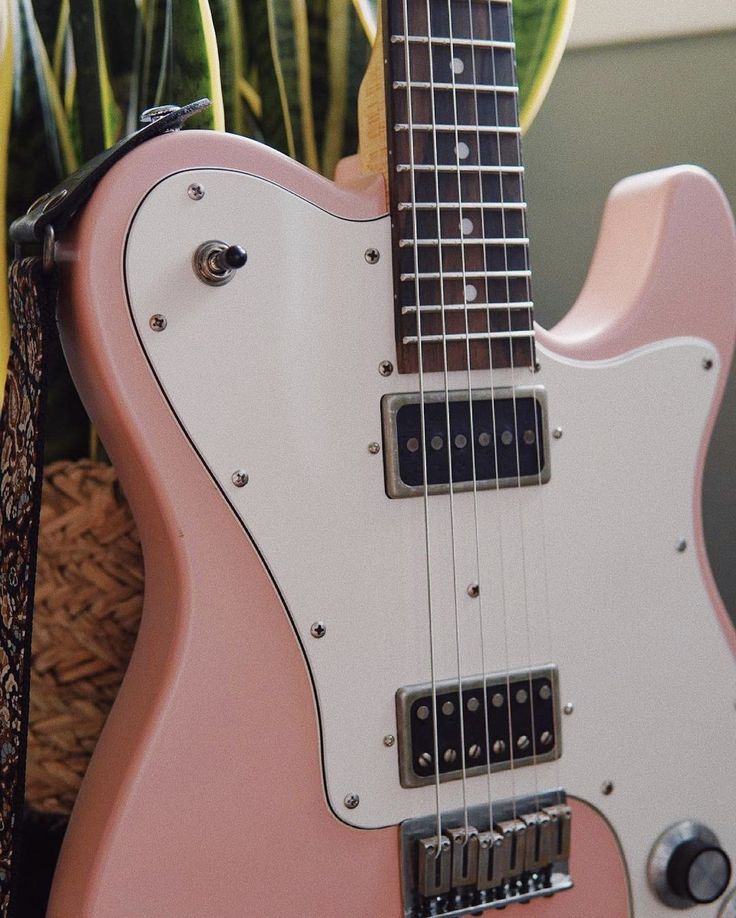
{"x":612,"y":112}
{"x":601,"y":22}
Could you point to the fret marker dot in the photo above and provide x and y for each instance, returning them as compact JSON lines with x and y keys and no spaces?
{"x":466,"y":226}
{"x":471,"y":292}
{"x":456,"y":65}
{"x":462,"y":150}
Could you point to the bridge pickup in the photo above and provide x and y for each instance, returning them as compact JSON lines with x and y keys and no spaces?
{"x":502,"y":441}
{"x":527,"y":700}
{"x":522,"y":854}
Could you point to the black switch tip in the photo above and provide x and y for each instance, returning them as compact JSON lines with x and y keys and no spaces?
{"x":234,"y":257}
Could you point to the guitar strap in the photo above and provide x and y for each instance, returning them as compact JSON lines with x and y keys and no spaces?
{"x":33,"y":285}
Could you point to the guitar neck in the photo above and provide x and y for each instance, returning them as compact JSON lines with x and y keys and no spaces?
{"x":461,"y":260}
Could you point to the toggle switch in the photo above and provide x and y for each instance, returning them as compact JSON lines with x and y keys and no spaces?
{"x":216,"y":262}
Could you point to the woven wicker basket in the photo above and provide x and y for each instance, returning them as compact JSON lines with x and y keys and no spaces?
{"x":89,"y":594}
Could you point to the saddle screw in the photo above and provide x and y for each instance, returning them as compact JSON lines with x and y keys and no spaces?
{"x":607,"y":788}
{"x":681,"y":545}
{"x":707,"y":363}
{"x":351,"y":801}
{"x":158,"y":322}
{"x":557,"y":433}
{"x":195,"y":191}
{"x":372,"y":256}
{"x":318,"y":630}
{"x":569,"y":708}
{"x":389,"y":740}
{"x":374,"y":448}
{"x":385,"y":368}
{"x":239,"y":478}
{"x":474,"y":590}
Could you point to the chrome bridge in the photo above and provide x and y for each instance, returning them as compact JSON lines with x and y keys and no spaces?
{"x":524,"y":854}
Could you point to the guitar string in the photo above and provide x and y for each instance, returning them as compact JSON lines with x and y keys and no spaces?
{"x":445,"y":374}
{"x":423,"y":431}
{"x":499,"y":149}
{"x":546,"y":609}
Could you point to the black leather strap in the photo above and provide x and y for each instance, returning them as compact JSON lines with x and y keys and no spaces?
{"x":33,"y":295}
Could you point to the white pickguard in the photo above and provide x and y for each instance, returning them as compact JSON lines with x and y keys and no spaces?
{"x":277,"y":373}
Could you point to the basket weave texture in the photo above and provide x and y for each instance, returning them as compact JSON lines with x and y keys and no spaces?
{"x":89,"y":595}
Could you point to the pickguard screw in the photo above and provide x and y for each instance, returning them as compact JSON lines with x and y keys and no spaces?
{"x":474,"y":590}
{"x":569,"y":708}
{"x":351,"y":801}
{"x":537,"y":367}
{"x":372,"y":256}
{"x":239,"y":478}
{"x":707,"y":363}
{"x":389,"y":739}
{"x":195,"y":191}
{"x":158,"y":322}
{"x":385,"y":368}
{"x":374,"y":448}
{"x":607,"y":788}
{"x":681,"y":545}
{"x":557,"y":433}
{"x":318,"y":630}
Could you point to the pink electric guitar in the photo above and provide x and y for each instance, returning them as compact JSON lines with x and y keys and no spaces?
{"x":429,"y":626}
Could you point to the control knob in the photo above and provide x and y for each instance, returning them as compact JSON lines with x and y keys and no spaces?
{"x":688,"y":867}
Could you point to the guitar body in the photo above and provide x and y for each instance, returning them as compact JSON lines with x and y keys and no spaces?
{"x":219,"y":784}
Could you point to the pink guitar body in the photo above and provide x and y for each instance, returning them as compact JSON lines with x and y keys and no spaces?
{"x":216,"y":788}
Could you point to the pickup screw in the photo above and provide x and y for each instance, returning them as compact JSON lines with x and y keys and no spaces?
{"x":450,"y":756}
{"x":499,"y":746}
{"x":569,"y":708}
{"x":681,"y":545}
{"x":424,"y":760}
{"x":374,"y":448}
{"x":474,"y":751}
{"x":372,"y":256}
{"x":239,"y":478}
{"x":473,"y":590}
{"x":389,"y":740}
{"x":158,"y":322}
{"x":557,"y":433}
{"x":707,"y":363}
{"x":607,"y":788}
{"x":196,"y":191}
{"x":546,"y":738}
{"x":351,"y":801}
{"x":318,"y":630}
{"x":385,"y":368}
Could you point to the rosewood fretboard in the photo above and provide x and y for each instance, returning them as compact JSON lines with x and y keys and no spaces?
{"x":456,"y":180}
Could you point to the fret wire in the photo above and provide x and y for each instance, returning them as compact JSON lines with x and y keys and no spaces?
{"x":449,"y":87}
{"x":459,"y":307}
{"x":445,"y":167}
{"x":459,"y":42}
{"x":468,"y":205}
{"x":469,"y":241}
{"x":459,"y":275}
{"x":471,"y":336}
{"x":460,"y":128}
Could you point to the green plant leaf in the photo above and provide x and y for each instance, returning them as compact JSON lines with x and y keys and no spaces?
{"x":367,"y":12}
{"x":230,"y":49}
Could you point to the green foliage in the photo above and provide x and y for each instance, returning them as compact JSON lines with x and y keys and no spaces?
{"x":283,"y":71}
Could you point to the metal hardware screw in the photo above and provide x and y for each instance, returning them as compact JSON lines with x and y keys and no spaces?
{"x":607,"y":788}
{"x":681,"y":545}
{"x":318,"y":630}
{"x":474,"y":751}
{"x":372,"y":256}
{"x":569,"y":708}
{"x":537,"y":367}
{"x":546,"y":738}
{"x":374,"y":448}
{"x":158,"y":322}
{"x":473,"y":590}
{"x":450,"y":756}
{"x":389,"y":740}
{"x":239,"y":478}
{"x":707,"y":363}
{"x":157,"y":112}
{"x":385,"y":368}
{"x":424,"y":760}
{"x":351,"y":801}
{"x":499,"y":746}
{"x":195,"y":191}
{"x":557,"y":433}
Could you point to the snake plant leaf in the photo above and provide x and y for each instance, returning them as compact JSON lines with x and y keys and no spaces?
{"x":228,"y":28}
{"x":367,"y":12}
{"x":541,"y":30}
{"x":180,"y":60}
{"x":6,"y":96}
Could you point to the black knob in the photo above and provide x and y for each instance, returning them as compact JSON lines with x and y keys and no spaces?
{"x":231,"y":258}
{"x":698,"y":871}
{"x":688,"y":867}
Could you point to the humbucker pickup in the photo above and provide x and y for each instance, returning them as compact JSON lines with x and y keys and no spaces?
{"x":517,"y":724}
{"x":502,"y":442}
